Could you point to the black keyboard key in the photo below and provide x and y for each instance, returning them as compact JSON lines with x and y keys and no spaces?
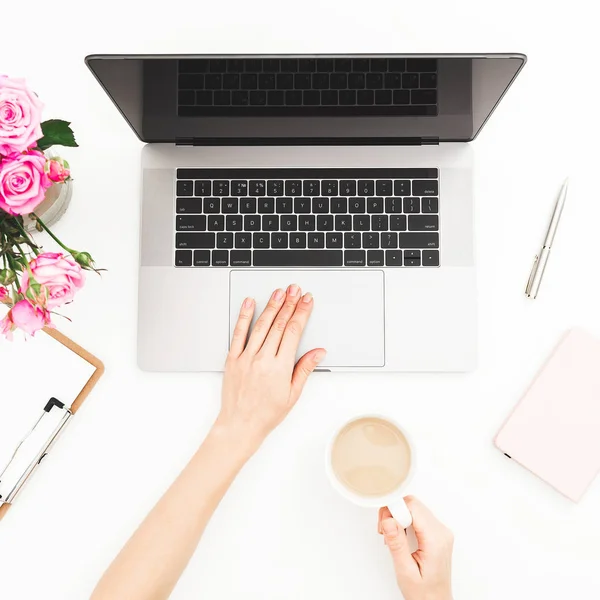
{"x":301,"y":205}
{"x":221,"y":188}
{"x":402,"y":187}
{"x":298,"y":258}
{"x":400,"y":97}
{"x":389,"y":240}
{"x":383,"y":187}
{"x":297,"y":240}
{"x":354,"y":258}
{"x":339,"y":205}
{"x":231,"y":81}
{"x":343,"y":223}
{"x":419,"y":240}
{"x":324,"y":222}
{"x":311,"y":98}
{"x":248,"y":205}
{"x":316,"y":240}
{"x":249,"y":81}
{"x":225,"y":240}
{"x":429,"y":205}
{"x":201,"y":258}
{"x":351,"y":239}
{"x":425,"y":187}
{"x":356,"y":81}
{"x":379,"y":64}
{"x":204,"y":98}
{"x":431,"y":258}
{"x":239,"y":188}
{"x":270,"y":223}
{"x":383,"y":96}
{"x":320,"y":81}
{"x":185,"y":188}
{"x":212,"y":206}
{"x":362,"y":223}
{"x":293,"y":98}
{"x":374,"y":205}
{"x":251,"y":223}
{"x":266,"y":205}
{"x":370,"y":239}
{"x":275,"y":187}
{"x":217,"y":65}
{"x":411,"y":205}
{"x":258,"y":98}
{"x":195,"y":240}
{"x":252,"y":65}
{"x":325,"y":65}
{"x":222,"y":98}
{"x":397,"y":64}
{"x":284,"y":205}
{"x":261,"y":240}
{"x":329,"y":98}
{"x":329,"y":187}
{"x":188,"y":97}
{"x":421,"y":64}
{"x":365,"y":97}
{"x":412,"y":262}
{"x":213,"y":82}
{"x":306,"y":223}
{"x":393,"y":205}
{"x":338,"y":81}
{"x":275,"y":98}
{"x":343,"y":65}
{"x":233,"y":223}
{"x":215,"y":223}
{"x":285,"y":81}
{"x":348,"y":187}
{"x":279,"y":240}
{"x":307,"y":65}
{"x":189,"y":205}
{"x":347,"y":97}
{"x":312,"y":187}
{"x":361,"y":64}
{"x":393,"y":81}
{"x":423,"y":223}
{"x":293,"y":187}
{"x":243,"y":240}
{"x":257,"y":187}
{"x":240,"y":98}
{"x":410,"y":81}
{"x":202,"y":188}
{"x":191,"y":223}
{"x":398,"y":222}
{"x":379,"y":222}
{"x":334,"y":240}
{"x":289,"y":223}
{"x":423,"y":97}
{"x":393,"y":258}
{"x":428,"y":80}
{"x":240,"y":258}
{"x":289,"y":65}
{"x":412,"y":254}
{"x":303,"y":81}
{"x":271,"y":65}
{"x":375,"y":258}
{"x":229,"y":205}
{"x":320,"y":205}
{"x":356,"y":205}
{"x":374,"y":81}
{"x":183,"y":258}
{"x":366,"y":187}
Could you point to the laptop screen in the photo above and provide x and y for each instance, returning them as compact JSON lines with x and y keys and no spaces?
{"x":306,"y":99}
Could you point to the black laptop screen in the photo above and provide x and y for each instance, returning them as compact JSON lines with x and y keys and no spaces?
{"x":306,"y":99}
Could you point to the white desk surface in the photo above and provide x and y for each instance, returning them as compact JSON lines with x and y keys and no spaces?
{"x":281,"y":532}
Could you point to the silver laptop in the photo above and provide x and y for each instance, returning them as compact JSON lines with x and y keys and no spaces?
{"x":348,"y":175}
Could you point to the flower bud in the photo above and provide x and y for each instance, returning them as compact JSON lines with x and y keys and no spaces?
{"x":57,"y":170}
{"x":7,"y":276}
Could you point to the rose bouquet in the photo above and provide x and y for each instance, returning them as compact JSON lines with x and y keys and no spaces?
{"x":32,"y":283}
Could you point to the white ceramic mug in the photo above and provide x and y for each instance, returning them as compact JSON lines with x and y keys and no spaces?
{"x":394,"y":500}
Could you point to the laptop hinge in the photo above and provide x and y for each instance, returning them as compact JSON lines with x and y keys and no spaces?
{"x":300,"y":141}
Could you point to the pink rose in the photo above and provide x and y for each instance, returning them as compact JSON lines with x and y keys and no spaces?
{"x":25,"y":316}
{"x":3,"y":293}
{"x":20,"y":116}
{"x":23,"y":183}
{"x":60,"y":276}
{"x":57,"y":170}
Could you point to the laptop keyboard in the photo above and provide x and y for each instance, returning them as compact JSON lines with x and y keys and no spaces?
{"x":307,"y":218}
{"x":304,"y":86}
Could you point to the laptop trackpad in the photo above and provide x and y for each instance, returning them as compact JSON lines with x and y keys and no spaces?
{"x":348,"y":315}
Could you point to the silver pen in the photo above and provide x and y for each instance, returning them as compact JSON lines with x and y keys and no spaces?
{"x":539,"y":263}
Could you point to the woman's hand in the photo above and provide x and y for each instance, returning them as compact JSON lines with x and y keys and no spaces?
{"x":262,"y":382}
{"x":426,"y":573}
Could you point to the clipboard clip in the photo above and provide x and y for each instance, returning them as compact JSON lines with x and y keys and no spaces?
{"x":11,"y":487}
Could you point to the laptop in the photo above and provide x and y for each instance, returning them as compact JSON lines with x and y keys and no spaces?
{"x":349,"y":175}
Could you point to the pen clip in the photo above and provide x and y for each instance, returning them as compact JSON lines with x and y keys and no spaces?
{"x":528,"y":287}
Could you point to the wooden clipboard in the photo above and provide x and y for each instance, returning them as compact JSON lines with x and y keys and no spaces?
{"x":83,"y":394}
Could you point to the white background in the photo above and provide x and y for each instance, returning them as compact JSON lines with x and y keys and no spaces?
{"x":281,"y":532}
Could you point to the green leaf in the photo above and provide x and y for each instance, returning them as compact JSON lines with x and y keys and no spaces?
{"x":56,"y":132}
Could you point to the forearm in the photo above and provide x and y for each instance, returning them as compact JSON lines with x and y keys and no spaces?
{"x":153,"y":559}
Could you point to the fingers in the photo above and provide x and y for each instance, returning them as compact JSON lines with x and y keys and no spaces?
{"x":305,"y":366}
{"x":264,"y":322}
{"x":397,"y":542}
{"x":240,"y":332}
{"x":430,"y":532}
{"x":295,"y":327}
{"x":384,"y":513}
{"x":275,"y":334}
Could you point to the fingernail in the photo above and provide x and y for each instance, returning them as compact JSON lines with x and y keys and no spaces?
{"x":307,"y":297}
{"x":278,"y":295}
{"x":319,"y":356}
{"x":293,"y":290}
{"x":248,"y":302}
{"x":390,"y":527}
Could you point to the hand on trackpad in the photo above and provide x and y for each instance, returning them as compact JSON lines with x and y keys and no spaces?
{"x":348,"y":313}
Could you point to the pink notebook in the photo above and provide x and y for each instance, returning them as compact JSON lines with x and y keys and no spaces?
{"x":554,"y":431}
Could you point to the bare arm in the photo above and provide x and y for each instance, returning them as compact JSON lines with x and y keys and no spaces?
{"x":260,"y":386}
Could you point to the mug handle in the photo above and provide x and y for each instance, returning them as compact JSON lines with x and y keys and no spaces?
{"x":401,"y":513}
